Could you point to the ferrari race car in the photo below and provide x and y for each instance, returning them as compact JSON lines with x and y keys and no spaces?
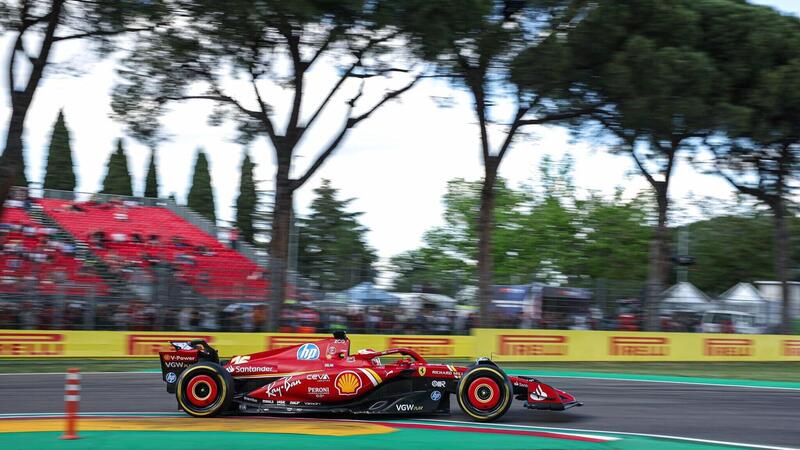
{"x":324,"y":377}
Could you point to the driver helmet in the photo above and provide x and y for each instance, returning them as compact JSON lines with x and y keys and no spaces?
{"x":365,"y":351}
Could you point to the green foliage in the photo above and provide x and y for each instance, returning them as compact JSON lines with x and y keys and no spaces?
{"x":731,"y":249}
{"x":59,"y":173}
{"x":243,"y":37}
{"x":151,"y":180}
{"x":541,"y":233}
{"x":201,"y":195}
{"x":430,"y":269}
{"x":757,"y":148}
{"x":617,"y":237}
{"x":118,"y":178}
{"x":247,"y":201}
{"x":332,"y":247}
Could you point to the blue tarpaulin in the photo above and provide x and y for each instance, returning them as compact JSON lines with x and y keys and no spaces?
{"x":368,"y":294}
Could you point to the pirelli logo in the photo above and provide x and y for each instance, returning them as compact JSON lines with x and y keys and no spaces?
{"x":30,"y":344}
{"x":638,"y":346}
{"x":152,"y":344}
{"x":274,"y":342}
{"x":425,"y":346}
{"x":533,"y":345}
{"x":791,"y":347}
{"x":728,"y":347}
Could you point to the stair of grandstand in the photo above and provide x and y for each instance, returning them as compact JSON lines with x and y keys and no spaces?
{"x":136,"y":240}
{"x":118,"y":286}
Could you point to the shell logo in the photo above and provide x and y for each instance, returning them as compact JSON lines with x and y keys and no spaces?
{"x":348,"y":383}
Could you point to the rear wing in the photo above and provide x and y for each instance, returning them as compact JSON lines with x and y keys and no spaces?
{"x":185,"y":354}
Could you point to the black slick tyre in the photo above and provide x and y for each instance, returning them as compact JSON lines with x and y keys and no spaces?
{"x":484,"y":393}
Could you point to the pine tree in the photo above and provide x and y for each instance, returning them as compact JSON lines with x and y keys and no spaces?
{"x":246,"y":201}
{"x":59,"y":173}
{"x":332,"y":243}
{"x":118,"y":178}
{"x":201,"y":196}
{"x":151,"y":181}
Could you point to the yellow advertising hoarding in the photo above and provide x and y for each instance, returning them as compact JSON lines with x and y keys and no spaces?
{"x":558,"y":345}
{"x":132,"y":344}
{"x":500,"y":345}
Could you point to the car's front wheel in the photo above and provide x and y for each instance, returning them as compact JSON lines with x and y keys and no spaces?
{"x":484,"y":393}
{"x":204,"y":390}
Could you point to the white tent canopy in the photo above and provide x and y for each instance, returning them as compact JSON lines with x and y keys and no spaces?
{"x":685,"y":296}
{"x":415,"y":301}
{"x":746,"y":298}
{"x":742,"y":293}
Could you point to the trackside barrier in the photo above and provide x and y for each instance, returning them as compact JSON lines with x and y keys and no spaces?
{"x":498,"y":344}
{"x":72,"y":397}
{"x":564,"y":345}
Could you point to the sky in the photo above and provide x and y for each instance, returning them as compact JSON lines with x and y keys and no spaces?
{"x":396,"y":164}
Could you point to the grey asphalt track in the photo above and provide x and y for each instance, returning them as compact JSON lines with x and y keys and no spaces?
{"x":746,"y":415}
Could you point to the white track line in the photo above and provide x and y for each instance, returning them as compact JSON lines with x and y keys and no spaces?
{"x":660,"y":436}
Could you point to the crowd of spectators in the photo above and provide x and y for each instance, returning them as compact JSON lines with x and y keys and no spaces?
{"x":33,"y":259}
{"x":302,"y":317}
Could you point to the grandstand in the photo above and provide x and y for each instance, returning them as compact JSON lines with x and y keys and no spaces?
{"x":131,"y":238}
{"x":35,"y":259}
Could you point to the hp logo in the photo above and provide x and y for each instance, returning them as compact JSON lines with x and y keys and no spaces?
{"x":308,"y":352}
{"x":171,"y":377}
{"x":436,"y":396}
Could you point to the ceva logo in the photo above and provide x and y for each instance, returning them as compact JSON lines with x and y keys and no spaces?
{"x":308,"y":352}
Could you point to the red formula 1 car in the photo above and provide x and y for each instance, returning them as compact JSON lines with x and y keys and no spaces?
{"x":324,"y":377}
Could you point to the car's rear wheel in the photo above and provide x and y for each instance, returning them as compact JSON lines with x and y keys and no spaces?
{"x":484,"y":393}
{"x":204,"y":390}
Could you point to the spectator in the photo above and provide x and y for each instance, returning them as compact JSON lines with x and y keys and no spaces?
{"x":233,"y":237}
{"x":184,"y":319}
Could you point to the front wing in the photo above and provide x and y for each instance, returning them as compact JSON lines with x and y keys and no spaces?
{"x":538,"y":395}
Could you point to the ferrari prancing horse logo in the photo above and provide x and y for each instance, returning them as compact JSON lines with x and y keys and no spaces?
{"x":421,"y":371}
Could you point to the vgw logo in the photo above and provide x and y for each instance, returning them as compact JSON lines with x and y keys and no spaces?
{"x":308,"y":352}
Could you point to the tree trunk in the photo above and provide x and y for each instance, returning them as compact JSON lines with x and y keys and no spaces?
{"x":11,"y":161}
{"x":658,"y":263}
{"x":485,"y":262}
{"x":279,"y":242}
{"x":782,"y":258}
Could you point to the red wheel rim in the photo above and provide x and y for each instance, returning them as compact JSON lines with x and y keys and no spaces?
{"x":201,"y":390}
{"x":484,"y":393}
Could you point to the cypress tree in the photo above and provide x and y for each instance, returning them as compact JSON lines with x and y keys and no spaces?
{"x":118,"y":178}
{"x":151,"y":181}
{"x":246,"y":201}
{"x":201,"y":196}
{"x":59,"y":172}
